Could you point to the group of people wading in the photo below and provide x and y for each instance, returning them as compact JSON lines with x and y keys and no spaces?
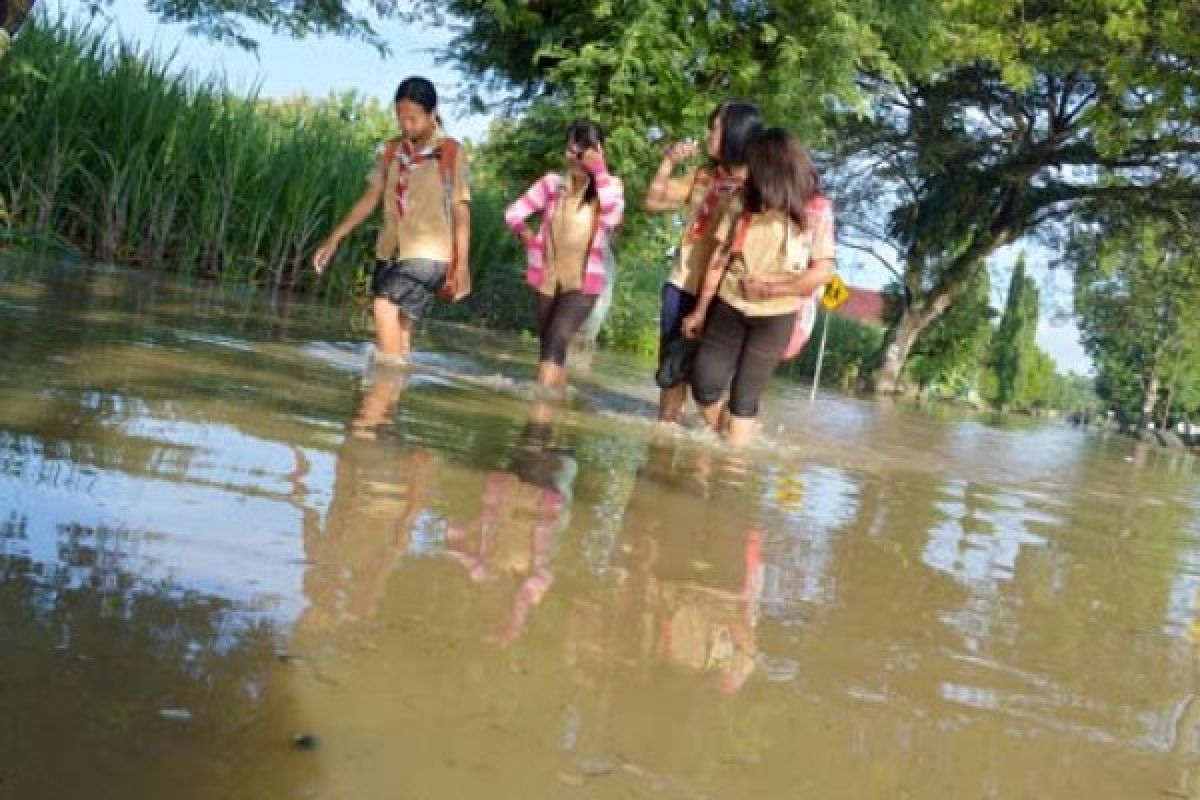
{"x":756,"y":248}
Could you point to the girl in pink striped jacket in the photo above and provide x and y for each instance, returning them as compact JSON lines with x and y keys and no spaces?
{"x":579,"y":213}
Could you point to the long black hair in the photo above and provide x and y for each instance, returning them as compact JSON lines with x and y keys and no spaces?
{"x":741,"y":123}
{"x":586,"y":135}
{"x":782,"y":176}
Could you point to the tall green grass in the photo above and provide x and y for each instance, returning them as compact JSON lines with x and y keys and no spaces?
{"x":110,"y":149}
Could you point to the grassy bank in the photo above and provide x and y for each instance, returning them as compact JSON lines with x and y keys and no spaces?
{"x":110,"y":151}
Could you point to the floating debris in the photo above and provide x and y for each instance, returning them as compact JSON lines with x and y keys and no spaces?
{"x":175,"y":714}
{"x":306,"y":742}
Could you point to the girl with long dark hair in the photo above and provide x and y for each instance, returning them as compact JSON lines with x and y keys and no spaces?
{"x":776,"y":253}
{"x":707,"y":194}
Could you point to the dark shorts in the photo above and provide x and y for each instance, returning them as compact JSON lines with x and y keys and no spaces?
{"x":674,"y":362}
{"x":676,"y":304}
{"x":410,"y":284}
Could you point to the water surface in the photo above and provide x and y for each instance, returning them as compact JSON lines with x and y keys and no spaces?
{"x":236,"y":563}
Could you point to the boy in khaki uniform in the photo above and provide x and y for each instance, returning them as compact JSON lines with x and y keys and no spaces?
{"x":422,"y":248}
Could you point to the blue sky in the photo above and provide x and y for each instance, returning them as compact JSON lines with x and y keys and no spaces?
{"x":284,"y":67}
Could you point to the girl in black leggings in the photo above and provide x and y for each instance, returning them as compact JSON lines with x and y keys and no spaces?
{"x":580,"y":209}
{"x":775,"y":253}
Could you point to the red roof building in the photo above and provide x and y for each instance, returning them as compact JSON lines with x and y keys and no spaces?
{"x":864,"y":305}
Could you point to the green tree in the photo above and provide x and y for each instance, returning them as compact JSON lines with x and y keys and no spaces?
{"x":225,"y":20}
{"x":1137,"y":288}
{"x":987,"y":121}
{"x":951,"y":353}
{"x":1035,"y":112}
{"x":1013,"y":350}
{"x":661,"y":65}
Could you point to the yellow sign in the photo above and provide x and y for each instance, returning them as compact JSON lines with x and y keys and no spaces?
{"x":836,"y":293}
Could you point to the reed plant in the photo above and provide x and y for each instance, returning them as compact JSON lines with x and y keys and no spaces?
{"x":131,"y":161}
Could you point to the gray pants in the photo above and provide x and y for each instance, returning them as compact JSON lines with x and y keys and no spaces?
{"x":410,"y":284}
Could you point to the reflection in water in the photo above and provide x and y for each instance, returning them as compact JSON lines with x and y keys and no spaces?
{"x":216,"y":536}
{"x":105,"y":672}
{"x":687,"y":589}
{"x":378,"y":493}
{"x":523,"y":510}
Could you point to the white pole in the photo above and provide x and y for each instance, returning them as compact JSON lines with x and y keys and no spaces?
{"x":812,"y":398}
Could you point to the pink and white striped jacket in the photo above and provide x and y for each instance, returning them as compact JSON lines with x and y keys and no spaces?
{"x":546,"y":197}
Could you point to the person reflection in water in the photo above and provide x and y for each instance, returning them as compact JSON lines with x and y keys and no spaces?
{"x":688,"y":582}
{"x":523,"y":510}
{"x":380,"y":487}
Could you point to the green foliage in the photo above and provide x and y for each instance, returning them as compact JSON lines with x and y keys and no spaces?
{"x":1070,"y":393}
{"x":645,"y":70}
{"x":665,"y":63}
{"x":1034,"y":113}
{"x":948,"y":356}
{"x":1014,"y":359}
{"x":988,"y":121}
{"x":1137,"y":289}
{"x":849,"y":347}
{"x":225,"y":20}
{"x":644,"y":250}
{"x":107,"y":149}
{"x":500,"y":297}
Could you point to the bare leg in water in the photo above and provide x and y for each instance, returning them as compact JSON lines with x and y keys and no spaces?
{"x":393,"y":331}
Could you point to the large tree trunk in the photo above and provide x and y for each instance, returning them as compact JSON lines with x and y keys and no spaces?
{"x":897,"y":345}
{"x":902,"y":336}
{"x":922,"y":309}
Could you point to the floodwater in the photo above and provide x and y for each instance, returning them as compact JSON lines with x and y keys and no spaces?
{"x":236,"y":563}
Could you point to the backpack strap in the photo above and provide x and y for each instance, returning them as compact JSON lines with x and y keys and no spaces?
{"x":739,"y":234}
{"x":447,"y":156}
{"x":389,"y":154}
{"x":595,"y":226}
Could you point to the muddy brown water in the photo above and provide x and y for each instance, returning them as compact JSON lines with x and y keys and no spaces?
{"x":237,"y":563}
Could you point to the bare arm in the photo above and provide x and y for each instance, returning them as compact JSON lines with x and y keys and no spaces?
{"x":693,"y":323}
{"x":362,"y":208}
{"x":663,"y":193}
{"x":462,"y":246}
{"x":817,"y":275}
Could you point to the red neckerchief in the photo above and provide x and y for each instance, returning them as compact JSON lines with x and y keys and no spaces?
{"x":718,"y":186}
{"x":408,"y":159}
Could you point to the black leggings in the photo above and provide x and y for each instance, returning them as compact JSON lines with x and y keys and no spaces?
{"x":558,"y":319}
{"x":741,"y":353}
